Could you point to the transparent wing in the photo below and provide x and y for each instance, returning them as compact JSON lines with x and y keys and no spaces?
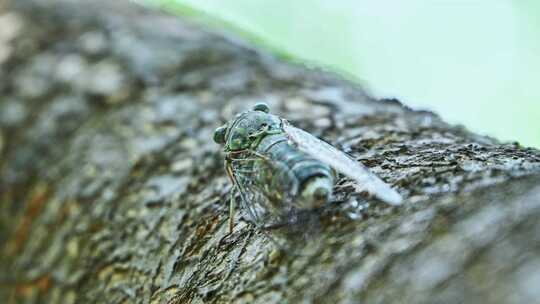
{"x":341,"y":162}
{"x":254,"y":201}
{"x":291,"y":228}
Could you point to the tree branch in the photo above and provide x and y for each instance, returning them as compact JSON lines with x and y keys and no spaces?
{"x":113,"y":191}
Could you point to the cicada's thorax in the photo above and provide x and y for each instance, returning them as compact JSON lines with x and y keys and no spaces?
{"x":293,"y":175}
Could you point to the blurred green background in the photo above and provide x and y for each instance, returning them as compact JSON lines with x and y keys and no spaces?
{"x":475,"y":63}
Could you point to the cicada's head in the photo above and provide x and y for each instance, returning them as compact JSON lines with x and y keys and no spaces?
{"x":247,"y":129}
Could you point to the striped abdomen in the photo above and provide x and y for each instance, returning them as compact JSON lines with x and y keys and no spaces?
{"x":292,"y":174}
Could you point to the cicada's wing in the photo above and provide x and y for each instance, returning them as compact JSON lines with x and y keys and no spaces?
{"x":341,"y":162}
{"x":254,"y":201}
{"x":273,"y":211}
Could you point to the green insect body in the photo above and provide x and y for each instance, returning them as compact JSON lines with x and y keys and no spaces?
{"x":292,"y":173}
{"x":277,"y":168}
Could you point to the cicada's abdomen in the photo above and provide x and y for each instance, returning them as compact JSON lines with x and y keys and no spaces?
{"x":293,"y":174}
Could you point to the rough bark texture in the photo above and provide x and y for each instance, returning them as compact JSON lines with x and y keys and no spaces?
{"x":112,"y":190}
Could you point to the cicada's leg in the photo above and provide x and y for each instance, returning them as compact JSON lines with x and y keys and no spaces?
{"x":232,"y":210}
{"x":232,"y":201}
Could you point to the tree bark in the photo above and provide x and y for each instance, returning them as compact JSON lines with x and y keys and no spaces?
{"x":112,"y":190}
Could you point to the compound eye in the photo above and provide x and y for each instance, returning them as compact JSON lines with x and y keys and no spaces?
{"x":219,"y":134}
{"x":262,"y":107}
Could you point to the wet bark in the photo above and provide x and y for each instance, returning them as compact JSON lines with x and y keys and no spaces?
{"x":112,"y":191}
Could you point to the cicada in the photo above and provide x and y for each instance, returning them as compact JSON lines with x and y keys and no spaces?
{"x":277,"y":168}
